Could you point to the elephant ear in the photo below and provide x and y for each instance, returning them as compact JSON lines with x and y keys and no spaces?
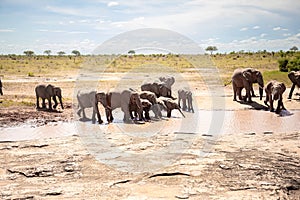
{"x":283,"y":88}
{"x":247,"y":75}
{"x":57,"y":91}
{"x":50,"y":89}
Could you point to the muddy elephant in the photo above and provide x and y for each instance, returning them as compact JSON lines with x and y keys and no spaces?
{"x":274,"y":91}
{"x":146,"y":106}
{"x":1,"y":92}
{"x":159,"y":89}
{"x":295,"y":78}
{"x":167,"y":80}
{"x":90,"y":99}
{"x":123,"y":100}
{"x":168,"y":104}
{"x":185,"y":96}
{"x":150,"y":96}
{"x":244,"y":78}
{"x":47,"y":92}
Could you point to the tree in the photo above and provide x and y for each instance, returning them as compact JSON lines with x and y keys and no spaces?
{"x":28,"y":53}
{"x":61,"y":53}
{"x":76,"y":53}
{"x":48,"y":52}
{"x":211,"y":49}
{"x":294,"y":48}
{"x":131,"y":52}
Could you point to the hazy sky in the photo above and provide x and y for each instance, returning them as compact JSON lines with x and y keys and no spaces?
{"x":231,"y":25}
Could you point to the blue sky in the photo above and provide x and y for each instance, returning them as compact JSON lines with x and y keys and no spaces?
{"x":231,"y":25}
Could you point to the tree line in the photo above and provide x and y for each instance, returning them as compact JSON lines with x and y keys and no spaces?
{"x":48,"y":53}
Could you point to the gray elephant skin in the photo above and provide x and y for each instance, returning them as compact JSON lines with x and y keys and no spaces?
{"x":167,"y":80}
{"x":274,"y":91}
{"x":244,"y":78}
{"x":123,"y":100}
{"x":1,"y":92}
{"x":134,"y":109}
{"x":185,"y":96}
{"x":169,"y":104}
{"x":47,"y":92}
{"x":294,"y":76}
{"x":90,"y":99}
{"x":151,"y":97}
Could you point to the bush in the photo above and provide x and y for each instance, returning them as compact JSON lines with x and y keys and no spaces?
{"x":294,"y":65}
{"x":283,"y":65}
{"x":30,"y":74}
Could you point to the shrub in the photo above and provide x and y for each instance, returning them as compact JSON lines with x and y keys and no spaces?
{"x":283,"y":64}
{"x":30,"y":74}
{"x":294,"y":64}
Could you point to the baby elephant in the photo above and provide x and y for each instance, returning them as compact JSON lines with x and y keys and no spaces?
{"x":274,"y":91}
{"x":185,"y":96}
{"x":168,"y":104}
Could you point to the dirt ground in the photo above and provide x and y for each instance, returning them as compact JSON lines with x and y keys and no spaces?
{"x":244,"y":165}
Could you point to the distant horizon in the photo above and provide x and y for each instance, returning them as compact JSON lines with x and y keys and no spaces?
{"x":230,"y":25}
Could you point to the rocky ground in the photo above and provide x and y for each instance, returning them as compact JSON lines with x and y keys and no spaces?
{"x":243,"y":165}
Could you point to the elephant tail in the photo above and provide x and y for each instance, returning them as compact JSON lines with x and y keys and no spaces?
{"x":225,"y":84}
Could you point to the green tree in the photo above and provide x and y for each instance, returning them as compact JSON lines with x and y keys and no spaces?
{"x":294,"y":48}
{"x":48,"y":52}
{"x":61,"y":53}
{"x":211,"y":49}
{"x":28,"y":53}
{"x":132,"y":52}
{"x":76,"y":53}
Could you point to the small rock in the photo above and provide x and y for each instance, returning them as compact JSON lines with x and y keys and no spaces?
{"x":224,"y":167}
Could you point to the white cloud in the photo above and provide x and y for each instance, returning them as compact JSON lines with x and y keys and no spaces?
{"x":263,"y":35}
{"x":6,"y":30}
{"x":256,"y":27}
{"x":276,"y":28}
{"x":112,"y":3}
{"x":244,"y":29}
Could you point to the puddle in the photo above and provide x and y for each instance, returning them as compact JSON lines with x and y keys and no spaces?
{"x":27,"y":132}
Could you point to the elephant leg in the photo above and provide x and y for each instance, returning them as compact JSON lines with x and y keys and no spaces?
{"x":234,"y":87}
{"x":267,"y":99}
{"x":100,"y":121}
{"x":43,"y":103}
{"x":79,"y":111}
{"x":94,"y":116}
{"x":184,"y":107}
{"x":279,"y":103}
{"x":55,"y":102}
{"x":291,"y":91}
{"x":271,"y":105}
{"x":147,"y":116}
{"x":37,"y":102}
{"x":190,"y":103}
{"x":239,"y":93}
{"x":179,"y":101}
{"x":252,"y":92}
{"x":50,"y":104}
{"x":169,"y":113}
{"x":109,"y":116}
{"x":248,"y":95}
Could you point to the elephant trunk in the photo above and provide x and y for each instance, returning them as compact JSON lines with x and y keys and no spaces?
{"x":61,"y":103}
{"x":181,"y":112}
{"x":261,"y":91}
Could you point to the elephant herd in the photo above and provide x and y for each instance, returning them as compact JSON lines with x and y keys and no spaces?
{"x":154,"y":96}
{"x":244,"y":78}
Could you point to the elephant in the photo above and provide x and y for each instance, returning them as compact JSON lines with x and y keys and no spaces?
{"x":274,"y":91}
{"x":151,"y":97}
{"x":123,"y":100}
{"x":186,"y":96}
{"x":46,"y":92}
{"x":159,"y":89}
{"x":244,"y":78}
{"x":294,"y":76}
{"x":169,"y":104}
{"x":90,"y":99}
{"x":1,"y":92}
{"x":146,"y":106}
{"x":167,"y":80}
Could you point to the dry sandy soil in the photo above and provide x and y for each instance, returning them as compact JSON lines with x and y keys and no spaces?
{"x":231,"y":165}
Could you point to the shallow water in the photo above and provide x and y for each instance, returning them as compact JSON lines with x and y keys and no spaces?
{"x":202,"y":122}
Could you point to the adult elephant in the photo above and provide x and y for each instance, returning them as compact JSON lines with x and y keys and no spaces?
{"x":90,"y":99}
{"x":295,"y":78}
{"x":1,"y":92}
{"x":47,"y":92}
{"x":169,"y":104}
{"x":244,"y":78}
{"x":167,"y":80}
{"x":159,"y":89}
{"x":122,"y":100}
{"x":146,"y":106}
{"x":274,"y":91}
{"x":185,"y":96}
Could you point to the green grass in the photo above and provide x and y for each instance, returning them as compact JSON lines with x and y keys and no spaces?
{"x":8,"y":103}
{"x":278,"y":76}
